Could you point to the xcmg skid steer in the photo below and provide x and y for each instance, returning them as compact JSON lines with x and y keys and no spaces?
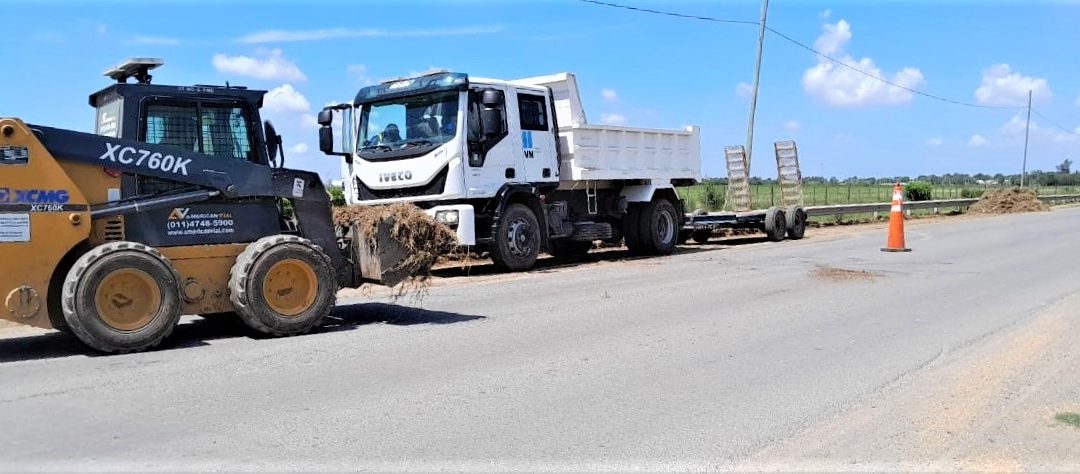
{"x":175,"y":206}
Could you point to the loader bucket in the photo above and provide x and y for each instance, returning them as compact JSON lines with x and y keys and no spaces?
{"x":381,"y":259}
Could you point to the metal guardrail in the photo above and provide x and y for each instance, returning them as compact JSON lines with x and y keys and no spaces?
{"x":841,"y":209}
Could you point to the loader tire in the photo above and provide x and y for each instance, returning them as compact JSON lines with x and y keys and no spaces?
{"x":121,"y":297}
{"x":660,"y":224}
{"x":282,"y":285}
{"x":517,"y":240}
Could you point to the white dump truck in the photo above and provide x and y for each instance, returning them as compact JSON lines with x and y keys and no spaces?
{"x":515,"y":168}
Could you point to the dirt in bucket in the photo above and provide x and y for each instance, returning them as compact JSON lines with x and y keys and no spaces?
{"x":1008,"y":201}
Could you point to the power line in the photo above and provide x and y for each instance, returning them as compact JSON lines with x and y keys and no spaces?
{"x":677,"y":15}
{"x":808,"y":48}
{"x":1055,"y":125}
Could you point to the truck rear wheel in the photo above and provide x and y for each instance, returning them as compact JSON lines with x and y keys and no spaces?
{"x":282,"y":285}
{"x":121,"y":297}
{"x":517,"y":240}
{"x":569,"y":249}
{"x":660,"y":225}
{"x":775,"y":224}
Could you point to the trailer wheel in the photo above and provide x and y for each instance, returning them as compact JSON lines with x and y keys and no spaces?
{"x":684,"y":236}
{"x":282,"y":285}
{"x":517,"y":240}
{"x":702,"y":236}
{"x":121,"y":297}
{"x":569,"y":249}
{"x":659,"y":227}
{"x":796,"y":222}
{"x":775,"y":224}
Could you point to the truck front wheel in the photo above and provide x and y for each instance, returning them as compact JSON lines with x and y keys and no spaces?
{"x":517,"y":240}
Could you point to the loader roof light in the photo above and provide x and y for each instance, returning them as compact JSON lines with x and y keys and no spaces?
{"x":139,"y":68}
{"x":403,"y":87}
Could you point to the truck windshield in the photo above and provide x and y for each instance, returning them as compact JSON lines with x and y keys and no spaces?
{"x":407,"y":126}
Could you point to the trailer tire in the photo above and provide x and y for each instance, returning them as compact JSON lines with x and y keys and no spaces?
{"x":282,"y":285}
{"x":659,"y":229}
{"x":775,"y":224}
{"x":517,"y":240}
{"x":702,"y":236}
{"x":684,"y":236}
{"x":631,"y":229}
{"x":569,"y":249}
{"x":121,"y":297}
{"x":796,"y":222}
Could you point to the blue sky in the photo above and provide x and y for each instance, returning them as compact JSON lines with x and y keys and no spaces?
{"x":634,"y":69}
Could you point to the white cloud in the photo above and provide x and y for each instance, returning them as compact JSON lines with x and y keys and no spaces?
{"x":609,"y":95}
{"x":1015,"y":126}
{"x":285,"y":98}
{"x":269,"y":66}
{"x":743,"y":89}
{"x":792,"y":125}
{"x":612,"y":119}
{"x":840,"y":86}
{"x":1002,"y":86}
{"x":825,"y":15}
{"x":309,"y":120}
{"x":360,"y":72}
{"x":935,"y":141}
{"x":283,"y":36}
{"x":977,"y":141}
{"x":299,"y":148}
{"x":153,"y":40}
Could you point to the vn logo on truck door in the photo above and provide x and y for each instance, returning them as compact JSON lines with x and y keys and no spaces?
{"x":527,"y":144}
{"x":128,"y":155}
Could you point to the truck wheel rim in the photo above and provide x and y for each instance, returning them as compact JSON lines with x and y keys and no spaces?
{"x":519,"y":236}
{"x":665,"y":227}
{"x":290,"y":287}
{"x":127,"y":299}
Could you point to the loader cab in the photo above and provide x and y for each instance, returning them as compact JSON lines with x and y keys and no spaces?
{"x":221,"y":121}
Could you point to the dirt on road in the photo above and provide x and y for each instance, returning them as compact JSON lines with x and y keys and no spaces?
{"x":1008,"y":201}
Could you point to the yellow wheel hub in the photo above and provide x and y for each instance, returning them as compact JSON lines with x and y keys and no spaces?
{"x":127,"y":299}
{"x":290,"y":287}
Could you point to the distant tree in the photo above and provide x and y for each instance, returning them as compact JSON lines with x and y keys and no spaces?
{"x":1065,"y":166}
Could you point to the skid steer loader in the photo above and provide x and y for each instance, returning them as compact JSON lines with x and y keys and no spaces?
{"x":174,"y":206}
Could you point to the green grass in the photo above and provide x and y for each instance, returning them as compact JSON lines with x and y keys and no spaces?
{"x":764,"y":196}
{"x":1069,"y":418}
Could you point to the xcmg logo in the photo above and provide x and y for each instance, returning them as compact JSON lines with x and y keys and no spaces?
{"x":33,"y":196}
{"x":395,"y":176}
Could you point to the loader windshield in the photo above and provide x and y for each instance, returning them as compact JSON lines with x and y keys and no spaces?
{"x":407,"y":126}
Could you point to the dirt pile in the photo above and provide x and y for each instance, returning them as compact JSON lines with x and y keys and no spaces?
{"x":825,"y":272}
{"x":1008,"y":201}
{"x":424,"y":239}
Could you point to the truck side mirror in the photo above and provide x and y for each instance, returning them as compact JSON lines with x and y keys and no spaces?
{"x":326,"y":139}
{"x":326,"y":117}
{"x":492,"y":98}
{"x":494,"y":124}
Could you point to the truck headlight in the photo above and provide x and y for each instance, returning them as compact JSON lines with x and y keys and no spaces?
{"x":446,"y":217}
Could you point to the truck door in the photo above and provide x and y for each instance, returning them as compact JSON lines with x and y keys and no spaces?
{"x":537,"y":139}
{"x":493,"y":160}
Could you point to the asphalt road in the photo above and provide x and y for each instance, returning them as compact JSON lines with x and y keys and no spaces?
{"x":822,"y":353}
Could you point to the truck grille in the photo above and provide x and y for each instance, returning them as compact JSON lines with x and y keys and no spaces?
{"x":434,"y":188}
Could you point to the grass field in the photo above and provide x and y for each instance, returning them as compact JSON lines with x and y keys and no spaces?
{"x":712,"y":196}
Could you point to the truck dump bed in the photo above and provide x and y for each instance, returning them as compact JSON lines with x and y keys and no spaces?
{"x":608,"y":152}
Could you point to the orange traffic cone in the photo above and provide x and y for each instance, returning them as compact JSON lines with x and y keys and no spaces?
{"x":896,"y":223}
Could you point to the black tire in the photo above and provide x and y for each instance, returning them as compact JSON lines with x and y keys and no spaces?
{"x":796,"y":222}
{"x":659,"y":227}
{"x":684,"y":236}
{"x":135,"y":287}
{"x":569,"y":249}
{"x":296,"y":265}
{"x":775,"y":224}
{"x":517,"y":240}
{"x":631,"y":226}
{"x":702,"y":236}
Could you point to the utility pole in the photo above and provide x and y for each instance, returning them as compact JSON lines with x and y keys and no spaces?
{"x":754,"y":92}
{"x":1027,"y":128}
